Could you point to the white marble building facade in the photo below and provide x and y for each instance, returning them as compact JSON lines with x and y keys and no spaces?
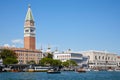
{"x":101,"y":59}
{"x":75,"y":56}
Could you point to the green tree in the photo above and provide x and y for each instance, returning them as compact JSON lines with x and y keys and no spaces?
{"x":49,"y":55}
{"x":72,"y":63}
{"x":56,"y":63}
{"x":46,"y":61}
{"x":49,"y":62}
{"x":31,"y":62}
{"x":8,"y":56}
{"x":10,"y":61}
{"x":65,"y":64}
{"x":7,"y":53}
{"x":69,"y":63}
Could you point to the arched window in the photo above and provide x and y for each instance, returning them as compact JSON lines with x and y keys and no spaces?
{"x":103,"y":57}
{"x":99,"y":57}
{"x":95,"y":57}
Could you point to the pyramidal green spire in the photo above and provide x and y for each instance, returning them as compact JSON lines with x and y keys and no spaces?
{"x":29,"y":14}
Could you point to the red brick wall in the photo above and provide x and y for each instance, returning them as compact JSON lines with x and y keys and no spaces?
{"x":29,"y":43}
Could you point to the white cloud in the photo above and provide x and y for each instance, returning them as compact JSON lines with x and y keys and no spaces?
{"x":17,"y":41}
{"x":6,"y":45}
{"x":14,"y":43}
{"x":13,"y":46}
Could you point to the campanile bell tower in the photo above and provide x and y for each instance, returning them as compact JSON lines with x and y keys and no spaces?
{"x":29,"y":31}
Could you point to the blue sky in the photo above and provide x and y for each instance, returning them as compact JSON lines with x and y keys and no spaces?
{"x":76,"y":24}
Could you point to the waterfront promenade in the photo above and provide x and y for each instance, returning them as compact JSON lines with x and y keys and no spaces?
{"x":92,"y":75}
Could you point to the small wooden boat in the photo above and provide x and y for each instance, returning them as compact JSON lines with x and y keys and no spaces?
{"x":52,"y":71}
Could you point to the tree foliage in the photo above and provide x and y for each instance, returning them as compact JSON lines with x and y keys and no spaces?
{"x":49,"y":55}
{"x":49,"y":62}
{"x":31,"y":62}
{"x":5,"y":53}
{"x":8,"y":56}
{"x":72,"y":63}
{"x":45,"y":61}
{"x":69,"y":63}
{"x":56,"y":63}
{"x":65,"y":64}
{"x":10,"y":61}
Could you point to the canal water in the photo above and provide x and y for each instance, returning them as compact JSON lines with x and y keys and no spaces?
{"x":101,"y":75}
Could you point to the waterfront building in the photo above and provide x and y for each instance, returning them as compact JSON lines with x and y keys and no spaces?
{"x":77,"y":57}
{"x":74,"y":56}
{"x":62,"y":56}
{"x":25,"y":55}
{"x":101,"y":59}
{"x":118,"y":61}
